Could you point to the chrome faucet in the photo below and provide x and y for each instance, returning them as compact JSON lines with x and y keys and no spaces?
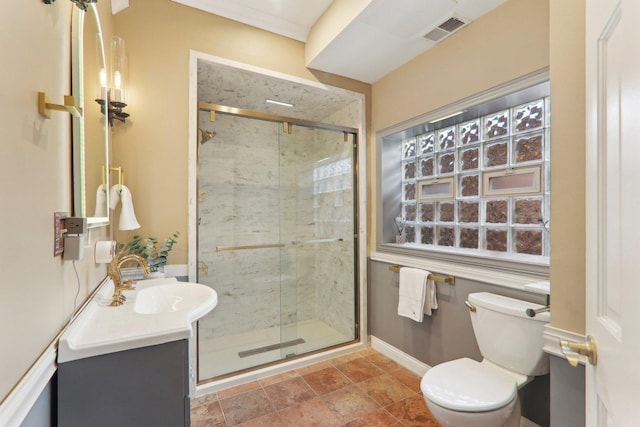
{"x":116,"y":275}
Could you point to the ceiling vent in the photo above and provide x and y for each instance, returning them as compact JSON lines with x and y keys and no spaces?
{"x":446,"y":28}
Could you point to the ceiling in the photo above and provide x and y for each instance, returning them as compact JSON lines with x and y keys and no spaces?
{"x":289,"y":18}
{"x":380,"y":36}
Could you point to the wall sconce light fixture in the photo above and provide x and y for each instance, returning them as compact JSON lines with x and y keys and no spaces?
{"x":113,"y":98}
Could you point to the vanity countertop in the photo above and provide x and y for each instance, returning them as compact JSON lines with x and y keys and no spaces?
{"x":100,"y":329}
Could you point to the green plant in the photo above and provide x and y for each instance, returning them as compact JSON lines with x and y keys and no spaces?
{"x":147,"y":247}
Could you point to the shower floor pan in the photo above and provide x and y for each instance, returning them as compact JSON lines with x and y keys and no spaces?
{"x":225,"y":355}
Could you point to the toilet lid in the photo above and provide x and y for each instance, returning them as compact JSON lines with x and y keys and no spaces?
{"x":468,"y":386}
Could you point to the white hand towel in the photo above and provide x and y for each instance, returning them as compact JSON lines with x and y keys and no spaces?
{"x":412,"y":293}
{"x":430,"y":301}
{"x":128,"y":219}
{"x":114,"y":196}
{"x":101,"y":202}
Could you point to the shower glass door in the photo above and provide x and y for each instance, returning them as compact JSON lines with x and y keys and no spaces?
{"x":276,"y":215}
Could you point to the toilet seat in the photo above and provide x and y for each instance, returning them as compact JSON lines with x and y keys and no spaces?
{"x":465,"y":385}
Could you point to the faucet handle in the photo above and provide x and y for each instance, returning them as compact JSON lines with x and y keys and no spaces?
{"x":118,"y":300}
{"x":128,"y":285}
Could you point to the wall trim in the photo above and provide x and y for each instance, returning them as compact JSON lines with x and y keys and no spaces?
{"x":552,"y":337}
{"x":18,"y":403}
{"x":476,"y":272}
{"x":400,"y":357}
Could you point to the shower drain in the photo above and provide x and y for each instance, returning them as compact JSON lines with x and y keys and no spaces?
{"x":272,"y":347}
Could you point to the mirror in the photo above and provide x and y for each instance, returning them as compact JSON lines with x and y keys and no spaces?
{"x":91,"y":131}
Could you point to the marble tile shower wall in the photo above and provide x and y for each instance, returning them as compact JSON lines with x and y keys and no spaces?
{"x":333,"y":217}
{"x":296,"y":154}
{"x":239,"y":203}
{"x":321,"y":206}
{"x":277,"y":194}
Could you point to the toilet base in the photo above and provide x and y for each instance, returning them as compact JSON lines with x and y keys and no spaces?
{"x":507,"y":416}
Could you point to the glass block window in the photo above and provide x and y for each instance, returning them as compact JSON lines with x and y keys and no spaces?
{"x":482,"y":184}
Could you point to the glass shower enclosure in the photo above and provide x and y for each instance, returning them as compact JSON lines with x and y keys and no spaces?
{"x":276,"y":238}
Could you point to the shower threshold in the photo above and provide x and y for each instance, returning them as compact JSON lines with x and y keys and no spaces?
{"x":271,"y":347}
{"x":218,"y":356}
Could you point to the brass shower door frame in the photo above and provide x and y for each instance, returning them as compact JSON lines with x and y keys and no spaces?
{"x":213,"y":108}
{"x":288,"y":123}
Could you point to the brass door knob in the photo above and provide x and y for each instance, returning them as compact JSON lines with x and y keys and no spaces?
{"x":572,"y":350}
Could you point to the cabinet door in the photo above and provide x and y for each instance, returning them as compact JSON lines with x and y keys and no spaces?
{"x":146,"y":386}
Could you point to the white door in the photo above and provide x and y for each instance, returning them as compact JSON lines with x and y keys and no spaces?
{"x":613,"y":211}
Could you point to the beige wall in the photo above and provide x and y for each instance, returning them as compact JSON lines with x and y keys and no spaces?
{"x":38,"y":289}
{"x":509,"y":42}
{"x":153,"y":146}
{"x":568,"y":168}
{"x":516,"y":38}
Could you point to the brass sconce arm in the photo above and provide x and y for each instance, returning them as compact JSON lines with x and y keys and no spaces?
{"x":45,"y":107}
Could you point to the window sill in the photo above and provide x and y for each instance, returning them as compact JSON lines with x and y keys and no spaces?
{"x":511,"y":271}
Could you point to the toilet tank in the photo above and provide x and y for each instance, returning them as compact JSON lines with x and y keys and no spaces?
{"x":507,"y":336}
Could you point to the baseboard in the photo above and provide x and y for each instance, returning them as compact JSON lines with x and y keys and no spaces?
{"x":400,"y":357}
{"x":16,"y":406}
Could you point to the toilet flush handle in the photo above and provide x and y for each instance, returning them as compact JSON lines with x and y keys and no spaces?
{"x":532,"y":313}
{"x":470,"y":306}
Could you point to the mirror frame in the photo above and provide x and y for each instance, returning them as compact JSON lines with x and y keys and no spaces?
{"x":78,"y":123}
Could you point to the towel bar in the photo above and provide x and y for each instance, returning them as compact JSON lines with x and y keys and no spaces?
{"x":114,"y":169}
{"x":439,"y":279}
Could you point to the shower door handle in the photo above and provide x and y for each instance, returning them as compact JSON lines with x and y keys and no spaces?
{"x":242,"y":248}
{"x":331,"y":240}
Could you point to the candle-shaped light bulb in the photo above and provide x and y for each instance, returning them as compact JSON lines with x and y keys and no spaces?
{"x":118,"y":70}
{"x":102,"y":79}
{"x":117,"y":80}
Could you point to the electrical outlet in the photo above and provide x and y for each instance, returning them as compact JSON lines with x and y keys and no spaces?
{"x":58,"y":233}
{"x":76,"y":225}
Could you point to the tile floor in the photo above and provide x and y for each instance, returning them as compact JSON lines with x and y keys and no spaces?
{"x":363,"y":389}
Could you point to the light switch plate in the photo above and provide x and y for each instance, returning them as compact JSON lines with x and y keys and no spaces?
{"x":58,"y":233}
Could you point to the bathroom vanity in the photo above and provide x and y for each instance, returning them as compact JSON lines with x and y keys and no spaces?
{"x":129,"y":365}
{"x":147,"y":386}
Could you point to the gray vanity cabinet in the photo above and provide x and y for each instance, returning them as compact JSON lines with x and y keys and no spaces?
{"x":147,"y":386}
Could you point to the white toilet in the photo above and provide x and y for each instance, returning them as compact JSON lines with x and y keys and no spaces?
{"x":466,"y":393}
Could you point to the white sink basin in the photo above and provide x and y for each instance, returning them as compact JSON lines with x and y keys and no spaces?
{"x":158,"y":311}
{"x":170,"y":298}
